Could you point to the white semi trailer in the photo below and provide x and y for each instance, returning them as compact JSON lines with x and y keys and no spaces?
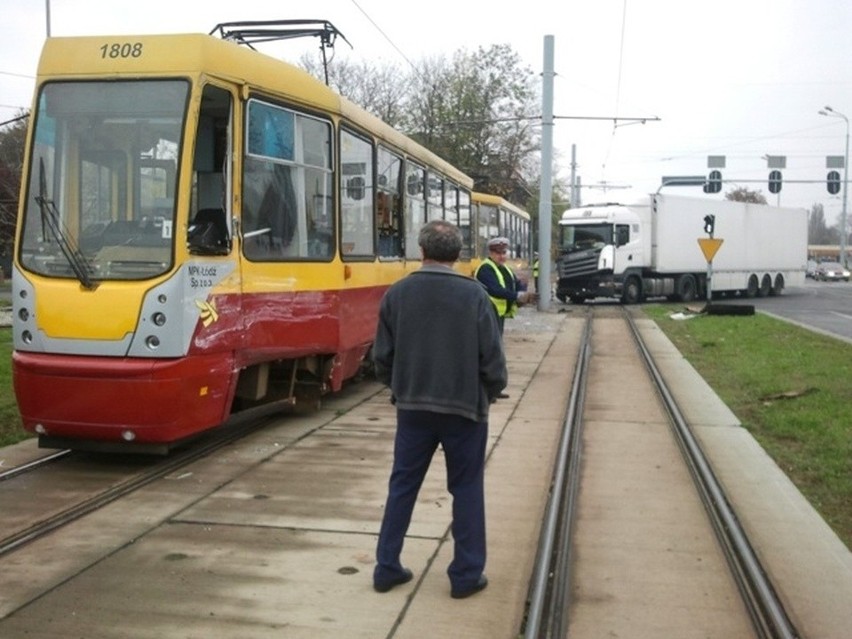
{"x":651,"y":249}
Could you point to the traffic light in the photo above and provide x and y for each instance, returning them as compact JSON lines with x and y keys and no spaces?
{"x":833,"y":182}
{"x":709,"y":224}
{"x":775,"y":181}
{"x":714,"y":182}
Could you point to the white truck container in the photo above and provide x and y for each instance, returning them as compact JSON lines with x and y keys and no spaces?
{"x":651,"y":249}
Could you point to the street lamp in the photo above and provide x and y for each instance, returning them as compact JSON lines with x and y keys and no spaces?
{"x":832,"y":113}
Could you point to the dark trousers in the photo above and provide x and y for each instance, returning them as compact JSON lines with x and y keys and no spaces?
{"x":418,"y":434}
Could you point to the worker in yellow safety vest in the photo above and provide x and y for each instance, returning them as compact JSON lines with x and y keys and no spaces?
{"x":535,"y":270}
{"x":502,"y":284}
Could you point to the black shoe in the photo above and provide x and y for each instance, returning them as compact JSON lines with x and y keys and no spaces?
{"x":463,"y":594}
{"x":503,"y":396}
{"x":384,"y":586}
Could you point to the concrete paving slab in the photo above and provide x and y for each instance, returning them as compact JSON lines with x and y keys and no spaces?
{"x":224,"y":581}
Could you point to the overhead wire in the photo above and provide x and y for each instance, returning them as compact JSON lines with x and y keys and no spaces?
{"x":615,"y":124}
{"x":385,"y":36}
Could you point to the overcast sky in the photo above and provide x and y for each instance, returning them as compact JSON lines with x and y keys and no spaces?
{"x":737,"y":78}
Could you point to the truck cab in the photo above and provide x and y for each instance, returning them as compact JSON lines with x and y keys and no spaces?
{"x":599,"y":246}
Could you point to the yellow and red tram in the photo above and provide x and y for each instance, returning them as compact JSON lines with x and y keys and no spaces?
{"x":494,"y":216}
{"x":202,"y":229}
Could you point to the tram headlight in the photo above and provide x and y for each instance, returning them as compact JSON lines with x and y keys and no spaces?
{"x":152,"y":342}
{"x":158,"y":318}
{"x":23,"y":314}
{"x":128,"y":435}
{"x":27,"y":337}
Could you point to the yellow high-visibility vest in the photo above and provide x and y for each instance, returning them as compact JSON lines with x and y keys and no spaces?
{"x":502,"y":305}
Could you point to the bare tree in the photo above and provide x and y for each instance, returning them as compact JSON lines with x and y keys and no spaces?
{"x":378,"y":89}
{"x":818,"y":231}
{"x":743,"y":194}
{"x":478,"y":111}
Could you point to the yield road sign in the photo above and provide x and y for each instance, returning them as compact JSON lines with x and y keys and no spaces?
{"x":709,"y":246}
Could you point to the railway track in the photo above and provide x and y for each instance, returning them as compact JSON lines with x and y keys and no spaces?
{"x":274,"y":535}
{"x":87,"y":483}
{"x":559,"y":589}
{"x":35,"y":464}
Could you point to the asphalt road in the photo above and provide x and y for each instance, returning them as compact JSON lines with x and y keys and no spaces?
{"x":824,"y":307}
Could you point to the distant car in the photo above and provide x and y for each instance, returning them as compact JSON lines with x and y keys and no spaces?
{"x":831,"y":272}
{"x":811,"y":269}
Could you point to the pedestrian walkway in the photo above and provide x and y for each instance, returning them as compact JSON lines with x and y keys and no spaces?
{"x":275,"y":537}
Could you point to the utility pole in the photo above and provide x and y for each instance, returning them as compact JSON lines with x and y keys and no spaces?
{"x":545,"y":203}
{"x":843,"y":230}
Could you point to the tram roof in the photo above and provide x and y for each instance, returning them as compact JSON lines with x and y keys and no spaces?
{"x":496,"y":200}
{"x":196,"y":55}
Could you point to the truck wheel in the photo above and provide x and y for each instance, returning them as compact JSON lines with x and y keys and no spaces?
{"x":686,"y":288}
{"x":765,"y":286}
{"x":632,"y":293}
{"x":778,"y":287}
{"x":753,"y":287}
{"x":577,"y":299}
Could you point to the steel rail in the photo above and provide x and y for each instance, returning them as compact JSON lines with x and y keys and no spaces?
{"x":32,"y":465}
{"x":74,"y":512}
{"x":767,"y":613}
{"x":559,"y":515}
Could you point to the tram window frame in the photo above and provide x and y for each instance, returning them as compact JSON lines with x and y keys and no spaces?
{"x":512,"y":234}
{"x":489,"y":226}
{"x":414,"y":209}
{"x":357,"y":195}
{"x":210,"y":227}
{"x":389,"y":213}
{"x":435,"y":183}
{"x":465,"y":214}
{"x":287,"y":169}
{"x":451,"y":202}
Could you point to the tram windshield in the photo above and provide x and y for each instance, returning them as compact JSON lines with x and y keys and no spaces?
{"x":100,"y":202}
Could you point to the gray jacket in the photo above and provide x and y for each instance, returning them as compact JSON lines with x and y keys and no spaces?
{"x":438,"y":345}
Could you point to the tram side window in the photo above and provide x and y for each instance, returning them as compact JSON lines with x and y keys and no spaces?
{"x":464,"y":224}
{"x":356,"y":195}
{"x":389,"y":204}
{"x":524,"y":238}
{"x":451,"y":203}
{"x":511,"y":232}
{"x":286,"y":185}
{"x":209,"y":231}
{"x":487,"y":227}
{"x":415,"y":208}
{"x":435,"y":198}
{"x":503,"y":227}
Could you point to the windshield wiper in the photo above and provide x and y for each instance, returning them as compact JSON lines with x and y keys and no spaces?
{"x":50,"y":219}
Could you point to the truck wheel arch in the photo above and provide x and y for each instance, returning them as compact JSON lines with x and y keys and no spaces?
{"x":765,"y":285}
{"x":632,"y":292}
{"x":752,"y":287}
{"x":686,"y":287}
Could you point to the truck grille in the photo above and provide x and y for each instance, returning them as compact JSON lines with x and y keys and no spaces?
{"x":577,"y":264}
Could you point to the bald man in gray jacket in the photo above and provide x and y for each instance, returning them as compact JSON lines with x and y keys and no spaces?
{"x":438,"y":346}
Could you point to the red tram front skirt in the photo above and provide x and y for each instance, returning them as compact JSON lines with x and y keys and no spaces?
{"x":122,"y":400}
